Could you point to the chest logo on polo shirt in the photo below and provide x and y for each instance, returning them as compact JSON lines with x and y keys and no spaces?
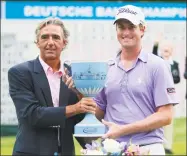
{"x":139,"y":80}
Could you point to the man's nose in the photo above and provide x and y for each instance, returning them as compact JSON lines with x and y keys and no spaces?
{"x":50,"y":41}
{"x":126,"y":31}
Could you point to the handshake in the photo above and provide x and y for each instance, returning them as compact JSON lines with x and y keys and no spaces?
{"x":86,"y":105}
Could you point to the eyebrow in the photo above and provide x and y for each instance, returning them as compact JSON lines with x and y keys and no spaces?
{"x":128,"y":24}
{"x":50,"y":35}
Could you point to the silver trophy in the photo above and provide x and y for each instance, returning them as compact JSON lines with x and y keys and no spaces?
{"x":89,"y":79}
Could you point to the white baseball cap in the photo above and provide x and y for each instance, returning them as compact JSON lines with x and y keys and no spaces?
{"x":131,"y":13}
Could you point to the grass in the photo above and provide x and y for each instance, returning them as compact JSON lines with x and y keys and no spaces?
{"x":179,"y":143}
{"x":8,"y":142}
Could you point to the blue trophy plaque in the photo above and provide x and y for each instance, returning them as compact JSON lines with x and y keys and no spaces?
{"x":89,"y":79}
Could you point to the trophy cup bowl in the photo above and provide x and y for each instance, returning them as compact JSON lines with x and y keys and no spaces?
{"x":89,"y":79}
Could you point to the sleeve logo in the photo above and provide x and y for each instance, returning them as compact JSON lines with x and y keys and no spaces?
{"x":171,"y":90}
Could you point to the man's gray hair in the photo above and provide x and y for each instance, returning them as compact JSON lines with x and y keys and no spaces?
{"x":54,"y":21}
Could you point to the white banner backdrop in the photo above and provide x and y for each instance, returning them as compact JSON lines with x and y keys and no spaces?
{"x":92,"y":40}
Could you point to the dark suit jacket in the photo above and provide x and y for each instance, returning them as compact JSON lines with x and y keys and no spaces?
{"x":30,"y":92}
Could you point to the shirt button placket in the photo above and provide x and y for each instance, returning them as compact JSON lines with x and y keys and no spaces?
{"x":124,"y":83}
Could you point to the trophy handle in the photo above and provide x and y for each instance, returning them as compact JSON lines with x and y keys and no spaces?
{"x":67,"y":64}
{"x":111,"y":62}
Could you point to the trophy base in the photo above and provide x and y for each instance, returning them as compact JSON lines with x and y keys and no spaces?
{"x":89,"y":127}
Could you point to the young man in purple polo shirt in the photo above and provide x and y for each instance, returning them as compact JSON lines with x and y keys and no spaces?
{"x":139,"y":95}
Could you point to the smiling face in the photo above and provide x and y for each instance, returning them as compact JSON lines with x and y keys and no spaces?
{"x":51,"y":42}
{"x":129,"y":35}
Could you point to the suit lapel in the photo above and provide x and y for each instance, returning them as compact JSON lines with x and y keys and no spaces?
{"x":43,"y":82}
{"x":64,"y":94}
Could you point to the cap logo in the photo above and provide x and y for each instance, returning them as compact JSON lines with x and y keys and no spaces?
{"x":127,"y":10}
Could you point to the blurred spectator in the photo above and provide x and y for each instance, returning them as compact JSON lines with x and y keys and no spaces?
{"x":166,"y":54}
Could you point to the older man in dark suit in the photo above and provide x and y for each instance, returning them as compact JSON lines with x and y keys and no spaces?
{"x":46,"y":104}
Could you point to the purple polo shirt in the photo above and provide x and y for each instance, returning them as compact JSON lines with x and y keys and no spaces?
{"x":134,"y":94}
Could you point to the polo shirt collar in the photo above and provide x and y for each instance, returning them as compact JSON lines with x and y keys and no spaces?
{"x":143,"y":56}
{"x":47,"y":68}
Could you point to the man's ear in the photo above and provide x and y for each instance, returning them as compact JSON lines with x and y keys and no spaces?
{"x":37,"y":45}
{"x":142,"y":28}
{"x":65,"y":43}
{"x":36,"y":42}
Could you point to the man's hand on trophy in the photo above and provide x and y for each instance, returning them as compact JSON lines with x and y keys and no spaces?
{"x":67,"y":79}
{"x":114,"y":130}
{"x":86,"y":105}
